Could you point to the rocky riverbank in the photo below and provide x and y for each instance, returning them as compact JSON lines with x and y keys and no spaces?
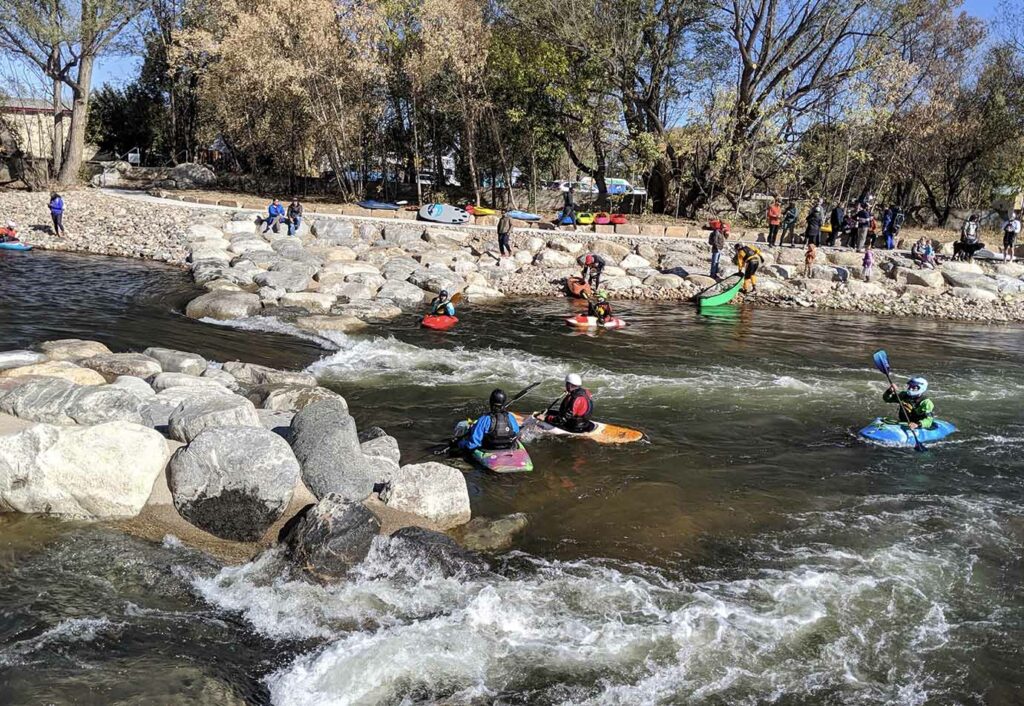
{"x":341,"y":272}
{"x":244,"y":454}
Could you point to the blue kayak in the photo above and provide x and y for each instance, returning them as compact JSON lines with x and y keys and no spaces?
{"x":889,"y":432}
{"x":378,"y":205}
{"x":523,"y":216}
{"x":15,"y":246}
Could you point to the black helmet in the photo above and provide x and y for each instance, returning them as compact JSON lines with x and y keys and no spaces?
{"x":498,"y":399}
{"x":443,"y":294}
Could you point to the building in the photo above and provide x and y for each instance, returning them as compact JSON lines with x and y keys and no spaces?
{"x":26,"y":125}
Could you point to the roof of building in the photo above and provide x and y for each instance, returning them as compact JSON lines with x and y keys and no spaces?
{"x":27,"y":105}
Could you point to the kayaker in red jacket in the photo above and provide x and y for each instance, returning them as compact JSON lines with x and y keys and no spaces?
{"x":574,"y":407}
{"x":9,"y":233}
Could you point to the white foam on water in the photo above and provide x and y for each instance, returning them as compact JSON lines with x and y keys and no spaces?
{"x":807,"y":619}
{"x":64,"y":632}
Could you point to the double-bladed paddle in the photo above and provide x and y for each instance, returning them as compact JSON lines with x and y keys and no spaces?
{"x":881,"y":359}
{"x":443,"y":448}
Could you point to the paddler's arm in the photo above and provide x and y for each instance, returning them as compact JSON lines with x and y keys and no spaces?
{"x":475,"y":438}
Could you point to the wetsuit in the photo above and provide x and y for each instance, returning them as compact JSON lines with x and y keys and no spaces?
{"x":592,"y":273}
{"x":918,"y":410}
{"x":441,"y":307}
{"x":748,"y":259}
{"x":492,"y":432}
{"x":573,"y":414}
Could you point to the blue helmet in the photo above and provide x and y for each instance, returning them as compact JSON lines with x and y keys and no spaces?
{"x":916,"y":386}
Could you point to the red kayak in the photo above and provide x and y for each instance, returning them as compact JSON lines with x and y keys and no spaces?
{"x":439,"y":323}
{"x":618,"y":219}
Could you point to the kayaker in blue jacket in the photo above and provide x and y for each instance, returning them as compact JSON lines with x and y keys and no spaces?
{"x":275,"y":214}
{"x":441,"y":305}
{"x":57,"y":214}
{"x":495,"y":431}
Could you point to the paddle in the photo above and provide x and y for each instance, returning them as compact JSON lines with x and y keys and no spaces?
{"x":443,"y":448}
{"x":881,"y":359}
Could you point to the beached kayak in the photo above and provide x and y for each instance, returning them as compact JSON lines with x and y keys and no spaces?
{"x":515,"y":460}
{"x":523,"y":215}
{"x":585,"y":219}
{"x":602,"y":218}
{"x":601,"y":433}
{"x":577,"y":288}
{"x":15,"y":246}
{"x":439,"y":323}
{"x":377,"y":205}
{"x":583,"y":321}
{"x":890,"y":432}
{"x":721,"y":292}
{"x":618,"y":219}
{"x":481,"y":211}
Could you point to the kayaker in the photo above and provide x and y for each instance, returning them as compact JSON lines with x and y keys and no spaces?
{"x":748,"y":258}
{"x":593,"y":267}
{"x":573,"y":408}
{"x":915,"y":406}
{"x":9,"y":233}
{"x":599,"y":307}
{"x":441,"y":305}
{"x":494,"y":431}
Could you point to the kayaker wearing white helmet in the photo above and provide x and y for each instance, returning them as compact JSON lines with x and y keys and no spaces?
{"x":9,"y":233}
{"x":917,"y":408}
{"x":572,"y":410}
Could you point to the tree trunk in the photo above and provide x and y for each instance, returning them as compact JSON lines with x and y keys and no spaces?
{"x":72,"y":163}
{"x":57,"y":146}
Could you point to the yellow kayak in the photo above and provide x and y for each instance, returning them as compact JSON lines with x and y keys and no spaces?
{"x":601,"y":433}
{"x":481,"y":211}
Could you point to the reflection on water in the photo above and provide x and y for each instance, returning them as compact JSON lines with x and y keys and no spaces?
{"x":753,"y":551}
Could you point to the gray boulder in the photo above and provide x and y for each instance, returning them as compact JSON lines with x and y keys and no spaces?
{"x":404,"y":294}
{"x":105,"y":403}
{"x":233,"y":482}
{"x":435,"y":553}
{"x":331,"y":537}
{"x":285,"y":398}
{"x":223,"y":306}
{"x":431,"y":490}
{"x":971,"y":280}
{"x":288,"y":279}
{"x":137,"y":386}
{"x":73,"y":349}
{"x":111,"y":365}
{"x":40,"y":400}
{"x":188,"y":175}
{"x":483,"y":534}
{"x":326,"y":444}
{"x":173,"y":361}
{"x":333,"y":231}
{"x":165,"y":381}
{"x":156,"y":411}
{"x":278,"y":422}
{"x":376,"y":442}
{"x":190,"y":419}
{"x":17,"y":359}
{"x":262,"y":375}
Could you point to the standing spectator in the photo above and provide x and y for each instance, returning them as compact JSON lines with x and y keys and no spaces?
{"x":869,"y":262}
{"x":275,"y":214}
{"x":968,"y":244}
{"x":774,"y":221}
{"x":863,"y":225}
{"x":838,"y":221}
{"x":1011,"y":229}
{"x":504,"y":234}
{"x":716,"y":239}
{"x":569,"y":203}
{"x":872,"y":230}
{"x":294,"y":216}
{"x":57,"y":214}
{"x":809,"y":256}
{"x":788,"y":225}
{"x":815,"y":217}
{"x":849,"y":236}
{"x":896,"y":226}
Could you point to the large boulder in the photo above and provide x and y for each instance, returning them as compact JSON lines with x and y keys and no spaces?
{"x":431,"y":490}
{"x":631,"y":262}
{"x":40,"y":400}
{"x":137,"y":386}
{"x":288,"y":279}
{"x":233,"y":482}
{"x":554,"y":259}
{"x":188,"y":175}
{"x":173,"y":361}
{"x":436,"y":553}
{"x":331,"y":537}
{"x":101,"y":471}
{"x":105,"y":403}
{"x":156,"y":411}
{"x":191,"y":419}
{"x":973,"y":294}
{"x":376,"y":442}
{"x":165,"y":381}
{"x":62,"y":369}
{"x":318,"y":324}
{"x":292,"y":398}
{"x":326,"y":444}
{"x":613,"y":252}
{"x":313,"y":302}
{"x":333,"y":231}
{"x":111,"y":365}
{"x":436,"y":279}
{"x":970,"y":280}
{"x":18,"y":359}
{"x":262,"y":375}
{"x":923,"y":278}
{"x":72,"y":349}
{"x":404,"y":294}
{"x":483,"y":534}
{"x":223,"y":306}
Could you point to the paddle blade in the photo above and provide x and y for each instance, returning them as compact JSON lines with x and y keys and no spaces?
{"x":881,"y":359}
{"x":456,"y":298}
{"x":519,"y":395}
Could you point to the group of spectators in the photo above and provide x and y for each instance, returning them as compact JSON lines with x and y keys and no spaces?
{"x":277,"y":214}
{"x":855,"y":225}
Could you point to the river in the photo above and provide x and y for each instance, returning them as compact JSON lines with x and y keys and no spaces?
{"x":752,"y":551}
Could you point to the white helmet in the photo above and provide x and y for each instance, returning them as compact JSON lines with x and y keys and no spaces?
{"x":574,"y":380}
{"x":12,"y":225}
{"x":916,"y":386}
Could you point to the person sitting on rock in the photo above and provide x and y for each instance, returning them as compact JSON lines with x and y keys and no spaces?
{"x":593,"y":267}
{"x":495,"y":431}
{"x":9,"y":233}
{"x":968,"y":244}
{"x":275,"y":214}
{"x":923,"y":254}
{"x":442,"y":305}
{"x":915,"y":408}
{"x":572,"y":410}
{"x":748,"y":258}
{"x":599,"y":307}
{"x":294,"y":216}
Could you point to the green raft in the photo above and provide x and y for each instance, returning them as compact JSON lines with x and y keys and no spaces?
{"x":721,"y":292}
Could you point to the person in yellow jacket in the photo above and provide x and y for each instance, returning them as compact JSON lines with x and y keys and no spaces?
{"x":748,"y":258}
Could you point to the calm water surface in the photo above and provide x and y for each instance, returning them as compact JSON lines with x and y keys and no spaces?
{"x":753,"y":551}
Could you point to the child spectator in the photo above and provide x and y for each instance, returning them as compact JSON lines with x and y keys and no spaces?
{"x":809,"y":256}
{"x":868,"y":262}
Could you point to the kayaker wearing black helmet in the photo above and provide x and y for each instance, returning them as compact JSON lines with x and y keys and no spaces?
{"x":441,"y":305}
{"x":495,"y":431}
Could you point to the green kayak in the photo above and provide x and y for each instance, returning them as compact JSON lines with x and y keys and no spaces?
{"x":721,"y":292}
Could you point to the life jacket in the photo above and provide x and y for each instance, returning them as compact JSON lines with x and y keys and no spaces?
{"x":573,"y":422}
{"x":500,"y":435}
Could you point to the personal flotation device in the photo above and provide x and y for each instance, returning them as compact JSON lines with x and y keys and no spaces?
{"x":500,"y":435}
{"x":572,"y":421}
